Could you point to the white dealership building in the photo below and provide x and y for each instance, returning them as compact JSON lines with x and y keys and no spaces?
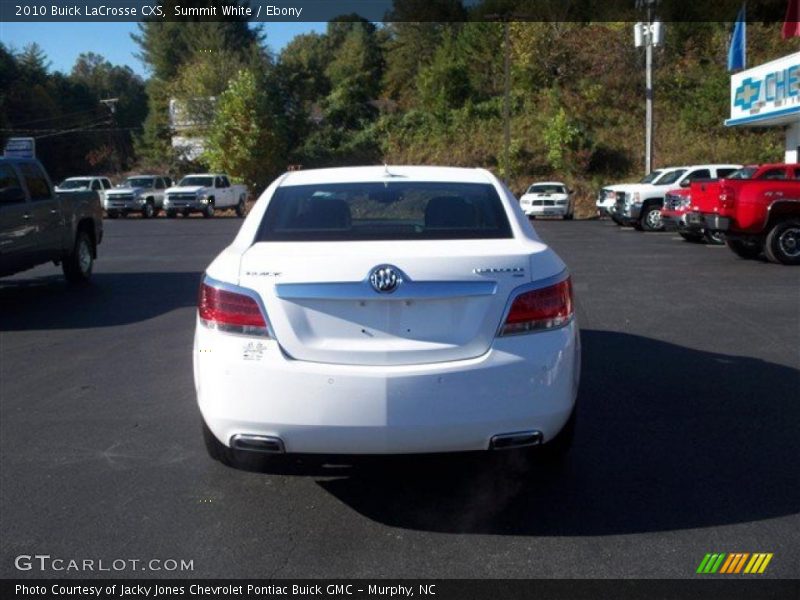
{"x":769,"y":96}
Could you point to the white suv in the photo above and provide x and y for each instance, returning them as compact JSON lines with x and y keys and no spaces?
{"x":385,"y":310}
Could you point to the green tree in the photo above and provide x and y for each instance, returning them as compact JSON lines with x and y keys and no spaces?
{"x":444,"y":84}
{"x":300,"y":75}
{"x":414,"y":30}
{"x":343,"y":127}
{"x":247,"y":138}
{"x":33,"y":62}
{"x":560,"y":137}
{"x":481,"y":48}
{"x":167,"y":48}
{"x":108,"y":81}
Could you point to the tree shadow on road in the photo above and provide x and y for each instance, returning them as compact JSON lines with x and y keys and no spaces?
{"x":109,"y":299}
{"x":667,"y":438}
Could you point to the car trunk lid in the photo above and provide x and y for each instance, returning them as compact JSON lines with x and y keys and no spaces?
{"x":447,"y":304}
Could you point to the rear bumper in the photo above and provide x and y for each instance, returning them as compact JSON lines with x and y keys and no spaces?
{"x":716,"y":222}
{"x":525,"y":382}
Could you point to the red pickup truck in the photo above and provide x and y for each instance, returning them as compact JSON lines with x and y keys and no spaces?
{"x":677,"y":206}
{"x":757,"y":208}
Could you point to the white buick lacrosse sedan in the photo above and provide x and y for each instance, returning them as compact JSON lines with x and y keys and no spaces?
{"x":386,"y":310}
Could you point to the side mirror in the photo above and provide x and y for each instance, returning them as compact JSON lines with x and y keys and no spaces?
{"x":686,"y":183}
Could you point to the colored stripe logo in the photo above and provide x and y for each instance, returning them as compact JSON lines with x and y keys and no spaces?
{"x":735,"y":563}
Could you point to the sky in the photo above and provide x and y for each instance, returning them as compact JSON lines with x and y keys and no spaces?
{"x":63,"y":42}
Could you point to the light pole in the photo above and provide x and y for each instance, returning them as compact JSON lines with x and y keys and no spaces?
{"x":648,"y":94}
{"x":111,"y":105}
{"x":506,"y":102}
{"x":648,"y":34}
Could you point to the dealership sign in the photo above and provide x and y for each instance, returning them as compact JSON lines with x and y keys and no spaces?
{"x":768,"y":94}
{"x":20,"y":147}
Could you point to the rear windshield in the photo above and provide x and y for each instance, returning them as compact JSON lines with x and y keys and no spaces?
{"x":543,"y":188}
{"x":395,"y":210}
{"x":744,"y":173}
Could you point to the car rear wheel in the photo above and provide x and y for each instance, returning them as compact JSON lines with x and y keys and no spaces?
{"x":77,"y":265}
{"x":691,"y":236}
{"x":742,"y":249}
{"x":240,"y":208}
{"x":651,"y":219}
{"x":783,"y":243}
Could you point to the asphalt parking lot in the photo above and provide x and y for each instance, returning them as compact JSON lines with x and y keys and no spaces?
{"x":686,"y":443}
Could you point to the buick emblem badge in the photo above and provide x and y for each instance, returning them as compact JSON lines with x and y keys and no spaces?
{"x":385,"y":279}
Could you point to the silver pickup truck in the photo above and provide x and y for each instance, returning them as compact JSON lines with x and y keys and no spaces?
{"x":39,"y":225}
{"x":140,"y":193}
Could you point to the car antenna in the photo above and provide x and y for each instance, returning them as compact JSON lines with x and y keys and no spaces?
{"x":388,"y":173}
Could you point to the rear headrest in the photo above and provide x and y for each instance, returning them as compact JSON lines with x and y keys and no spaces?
{"x":325,"y":213}
{"x":450,"y":212}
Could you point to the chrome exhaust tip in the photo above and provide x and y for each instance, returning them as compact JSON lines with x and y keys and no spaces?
{"x":257,"y":443}
{"x":518,"y":439}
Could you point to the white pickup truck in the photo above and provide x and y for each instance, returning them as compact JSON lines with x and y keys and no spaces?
{"x":204,"y":193}
{"x":640,"y":204}
{"x":101,"y":185}
{"x":140,"y":193}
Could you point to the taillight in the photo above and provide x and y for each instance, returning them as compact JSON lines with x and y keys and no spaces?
{"x":230,"y":311}
{"x":545,"y":308}
{"x":727,"y":198}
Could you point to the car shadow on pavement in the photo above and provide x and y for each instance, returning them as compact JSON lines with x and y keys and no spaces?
{"x":667,"y":438}
{"x":109,"y":299}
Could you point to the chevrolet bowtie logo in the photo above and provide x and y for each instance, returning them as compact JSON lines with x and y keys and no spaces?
{"x":747,"y":94}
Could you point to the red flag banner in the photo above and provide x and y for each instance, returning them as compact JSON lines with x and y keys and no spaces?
{"x":791,"y":24}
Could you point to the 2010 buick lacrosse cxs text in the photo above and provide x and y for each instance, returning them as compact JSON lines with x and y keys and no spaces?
{"x":386,"y":310}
